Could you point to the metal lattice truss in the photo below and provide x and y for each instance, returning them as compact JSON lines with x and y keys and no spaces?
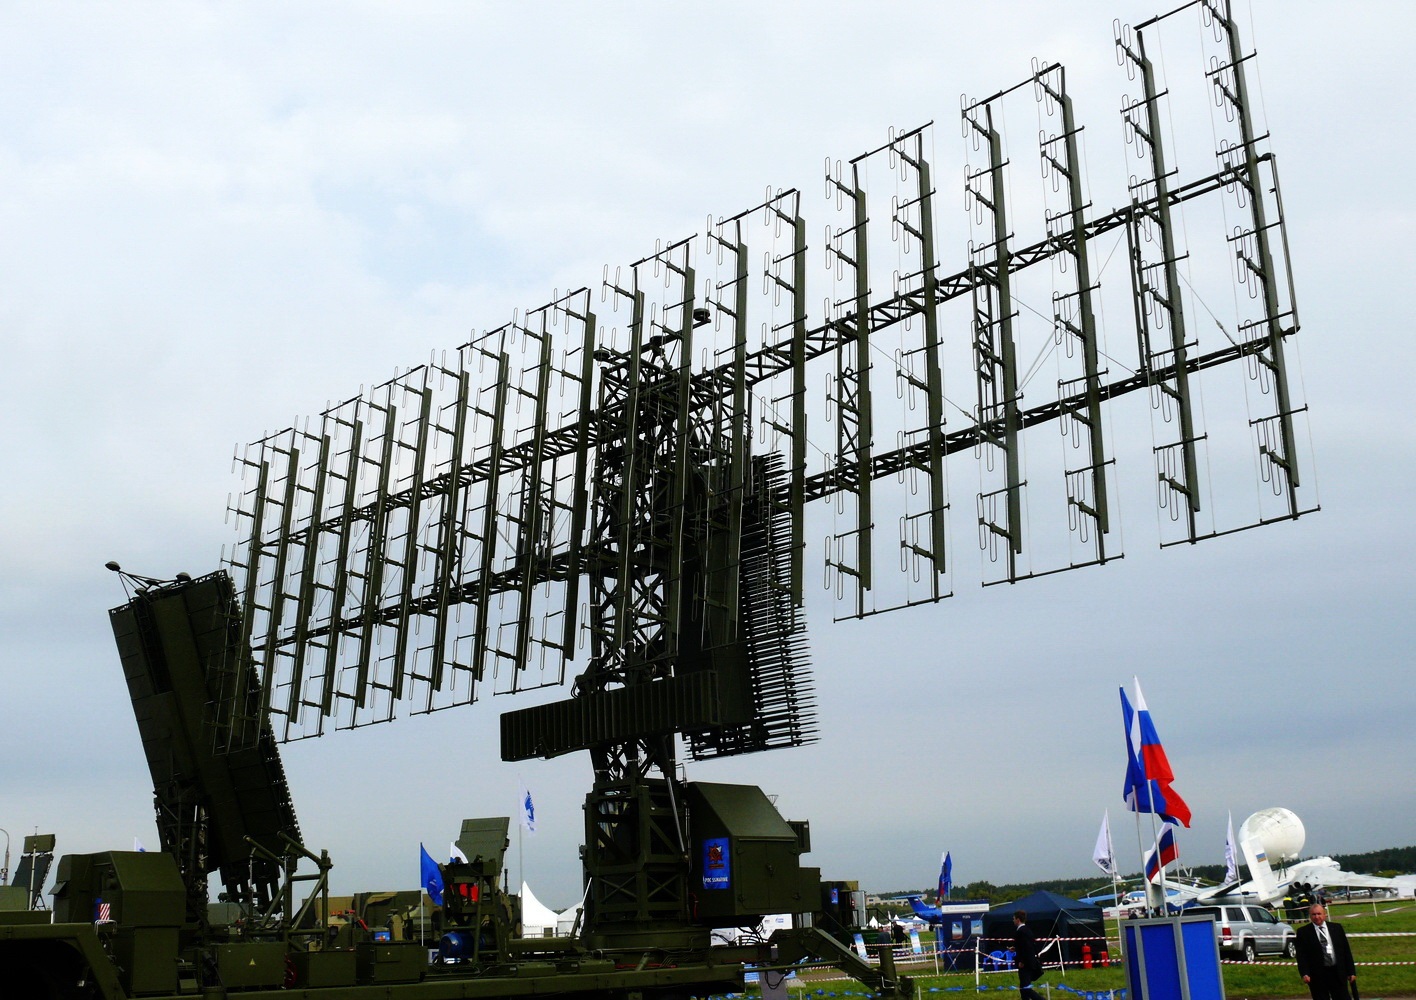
{"x":574,"y":487}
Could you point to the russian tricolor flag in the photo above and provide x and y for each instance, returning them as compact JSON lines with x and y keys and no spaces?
{"x":1148,"y":775}
{"x":1166,"y":851}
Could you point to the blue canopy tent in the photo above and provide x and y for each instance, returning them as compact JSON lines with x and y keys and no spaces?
{"x":1050,"y":916}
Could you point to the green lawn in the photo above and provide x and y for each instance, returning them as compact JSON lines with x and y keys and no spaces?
{"x":1267,"y":979}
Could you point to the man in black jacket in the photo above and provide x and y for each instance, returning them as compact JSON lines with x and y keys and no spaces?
{"x":1324,"y":957}
{"x":1029,"y":965}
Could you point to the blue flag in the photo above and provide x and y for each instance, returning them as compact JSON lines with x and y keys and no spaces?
{"x":946,"y":876}
{"x":528,"y":811}
{"x":432,"y":877}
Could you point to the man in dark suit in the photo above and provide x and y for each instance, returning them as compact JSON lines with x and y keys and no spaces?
{"x":1029,"y":965}
{"x":1324,"y":957}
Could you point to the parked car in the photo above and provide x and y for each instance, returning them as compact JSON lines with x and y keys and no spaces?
{"x":1249,"y":930}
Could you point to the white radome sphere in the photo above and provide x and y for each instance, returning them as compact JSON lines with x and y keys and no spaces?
{"x":1278,"y":830}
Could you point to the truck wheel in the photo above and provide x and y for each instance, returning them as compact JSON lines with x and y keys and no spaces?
{"x":1250,"y":952}
{"x":1290,"y":950}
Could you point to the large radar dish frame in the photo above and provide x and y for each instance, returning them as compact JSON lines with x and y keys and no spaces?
{"x":439,"y":533}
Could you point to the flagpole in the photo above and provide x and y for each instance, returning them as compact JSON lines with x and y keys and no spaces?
{"x":1116,"y":896}
{"x":1137,"y":787}
{"x":1115,"y":882}
{"x":1140,"y":847}
{"x":1155,"y":846}
{"x":1150,"y":802}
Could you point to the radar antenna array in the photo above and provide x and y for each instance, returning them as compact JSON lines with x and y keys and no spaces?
{"x":628,"y":490}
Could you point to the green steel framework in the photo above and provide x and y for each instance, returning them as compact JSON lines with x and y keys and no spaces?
{"x":644,"y":490}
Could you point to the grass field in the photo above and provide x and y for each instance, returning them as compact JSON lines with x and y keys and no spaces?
{"x":1267,"y":979}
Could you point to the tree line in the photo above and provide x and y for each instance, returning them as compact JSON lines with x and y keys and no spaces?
{"x":1385,"y":862}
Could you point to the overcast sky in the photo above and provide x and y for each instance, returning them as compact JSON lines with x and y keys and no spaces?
{"x":215,"y":219}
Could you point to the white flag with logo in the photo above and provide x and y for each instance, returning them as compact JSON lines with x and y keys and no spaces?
{"x":1231,"y":856}
{"x":1102,"y":854}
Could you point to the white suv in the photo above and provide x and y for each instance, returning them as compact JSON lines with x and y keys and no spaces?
{"x":1248,"y":929}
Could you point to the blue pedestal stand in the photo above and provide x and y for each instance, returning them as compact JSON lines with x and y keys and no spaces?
{"x":1172,"y":958}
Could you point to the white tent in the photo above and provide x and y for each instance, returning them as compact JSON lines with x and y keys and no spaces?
{"x":565,"y":922}
{"x":537,"y":919}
